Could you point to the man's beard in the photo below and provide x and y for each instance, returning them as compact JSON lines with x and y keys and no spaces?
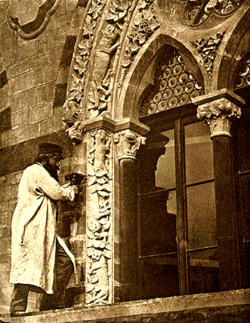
{"x":52,"y":170}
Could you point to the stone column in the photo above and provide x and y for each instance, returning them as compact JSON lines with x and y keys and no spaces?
{"x":111,"y":236}
{"x":127,"y":143}
{"x":219,"y":110}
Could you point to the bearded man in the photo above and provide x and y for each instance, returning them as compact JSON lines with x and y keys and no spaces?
{"x":40,"y":260}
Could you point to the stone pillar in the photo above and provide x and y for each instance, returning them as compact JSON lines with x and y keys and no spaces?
{"x":99,"y":217}
{"x":128,"y":142}
{"x":111,"y":235}
{"x":219,"y":110}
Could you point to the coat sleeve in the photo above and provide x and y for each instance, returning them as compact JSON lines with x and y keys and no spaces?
{"x":51,"y":188}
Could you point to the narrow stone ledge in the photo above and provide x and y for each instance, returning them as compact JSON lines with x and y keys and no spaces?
{"x":232,"y":306}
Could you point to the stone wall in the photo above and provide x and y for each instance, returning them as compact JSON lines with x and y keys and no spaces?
{"x":33,"y":80}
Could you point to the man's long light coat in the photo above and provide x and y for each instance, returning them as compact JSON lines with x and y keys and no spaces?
{"x":34,"y":228}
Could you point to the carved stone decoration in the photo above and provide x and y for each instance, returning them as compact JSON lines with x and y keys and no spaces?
{"x":243,"y":75}
{"x":196,"y":12}
{"x":97,"y":99}
{"x":127,"y":143}
{"x":99,"y":93}
{"x":75,"y":93}
{"x":99,"y":218}
{"x":30,"y":18}
{"x":207,"y":49}
{"x":145,"y":24}
{"x":174,"y":86}
{"x":76,"y":133}
{"x":218,"y":115}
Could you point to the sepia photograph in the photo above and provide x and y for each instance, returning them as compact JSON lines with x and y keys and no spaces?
{"x":125,"y":161}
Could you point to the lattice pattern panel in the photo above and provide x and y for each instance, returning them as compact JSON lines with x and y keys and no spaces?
{"x":174,"y":86}
{"x":243,"y":76}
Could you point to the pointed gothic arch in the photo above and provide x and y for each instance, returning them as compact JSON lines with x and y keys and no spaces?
{"x":141,"y":79}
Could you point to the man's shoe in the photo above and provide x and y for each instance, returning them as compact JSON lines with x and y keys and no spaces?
{"x":17,"y":313}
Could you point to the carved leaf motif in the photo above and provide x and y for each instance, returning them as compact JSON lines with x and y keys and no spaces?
{"x":207,"y":49}
{"x":145,"y":23}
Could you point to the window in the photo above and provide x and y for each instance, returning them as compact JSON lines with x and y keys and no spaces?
{"x":176,"y":205}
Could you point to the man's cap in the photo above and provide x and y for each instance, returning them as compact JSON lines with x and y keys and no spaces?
{"x":47,"y":148}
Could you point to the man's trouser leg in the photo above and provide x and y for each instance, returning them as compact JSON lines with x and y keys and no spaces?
{"x":63,"y":272}
{"x":19,"y":298}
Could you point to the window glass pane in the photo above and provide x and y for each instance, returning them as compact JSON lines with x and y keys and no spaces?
{"x":202,"y":243}
{"x":198,"y":153}
{"x":201,"y":216}
{"x":165,"y":169}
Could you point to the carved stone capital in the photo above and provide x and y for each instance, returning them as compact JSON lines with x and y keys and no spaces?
{"x":127,"y":143}
{"x":218,"y":115}
{"x":218,"y":110}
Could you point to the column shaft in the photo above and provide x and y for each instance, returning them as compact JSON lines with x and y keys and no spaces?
{"x":128,"y":231}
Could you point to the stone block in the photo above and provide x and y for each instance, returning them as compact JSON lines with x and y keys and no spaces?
{"x":42,"y":45}
{"x":26,"y":50}
{"x":52,"y":71}
{"x":42,"y":60}
{"x":3,"y":16}
{"x":5,"y":117}
{"x":71,"y":4}
{"x":22,"y":82}
{"x":22,"y":67}
{"x":41,"y":94}
{"x":54,"y":55}
{"x":63,"y":75}
{"x":57,"y":119}
{"x":39,"y":113}
{"x":40,"y":76}
{"x":20,"y":118}
{"x":25,"y":133}
{"x":9,"y":57}
{"x":4,"y":97}
{"x":61,"y":10}
{"x":46,"y":127}
{"x":57,"y":37}
{"x":5,"y":138}
{"x":9,"y":42}
{"x":23,"y":100}
{"x":63,"y":22}
{"x":6,"y":32}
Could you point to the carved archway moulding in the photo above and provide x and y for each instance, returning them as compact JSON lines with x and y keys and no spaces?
{"x":237,"y":46}
{"x":143,"y":73}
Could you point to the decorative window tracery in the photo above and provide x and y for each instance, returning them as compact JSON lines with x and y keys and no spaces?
{"x":243,"y":75}
{"x":174,"y":86}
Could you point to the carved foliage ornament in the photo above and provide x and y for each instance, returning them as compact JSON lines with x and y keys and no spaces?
{"x":218,"y":115}
{"x":145,"y":24}
{"x":198,"y":11}
{"x":30,"y":18}
{"x":207,"y":48}
{"x":99,"y":218}
{"x":97,"y":100}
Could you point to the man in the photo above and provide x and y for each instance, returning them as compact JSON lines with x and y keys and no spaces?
{"x":40,"y":260}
